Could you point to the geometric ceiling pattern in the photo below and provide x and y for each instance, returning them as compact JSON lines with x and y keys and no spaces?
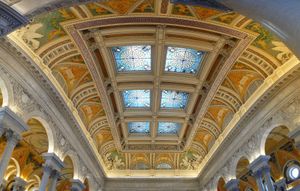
{"x":153,"y":83}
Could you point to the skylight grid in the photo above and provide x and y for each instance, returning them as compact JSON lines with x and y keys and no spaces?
{"x":139,"y":127}
{"x":183,"y":60}
{"x":168,"y":128}
{"x":132,"y":58}
{"x":171,"y":99}
{"x":136,"y":98}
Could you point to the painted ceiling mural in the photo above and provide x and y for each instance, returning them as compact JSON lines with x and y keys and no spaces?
{"x":147,"y":119}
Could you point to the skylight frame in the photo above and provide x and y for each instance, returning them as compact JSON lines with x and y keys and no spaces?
{"x":132,"y":71}
{"x":169,"y":108}
{"x":198,"y":68}
{"x":146,"y":133}
{"x":178,"y":127}
{"x":133,"y":107}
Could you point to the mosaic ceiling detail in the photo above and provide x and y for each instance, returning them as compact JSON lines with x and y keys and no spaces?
{"x":145,"y":73}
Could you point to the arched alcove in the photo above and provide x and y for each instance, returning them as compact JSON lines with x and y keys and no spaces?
{"x":12,"y":171}
{"x":276,"y":138}
{"x":283,"y":154}
{"x":29,"y":152}
{"x":246,"y":180}
{"x":221,"y":185}
{"x":67,"y":174}
{"x":86,"y":184}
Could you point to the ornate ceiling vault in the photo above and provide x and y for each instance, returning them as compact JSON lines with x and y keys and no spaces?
{"x":153,"y":84}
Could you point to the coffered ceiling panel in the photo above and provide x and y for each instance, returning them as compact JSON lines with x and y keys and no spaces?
{"x":154,"y":84}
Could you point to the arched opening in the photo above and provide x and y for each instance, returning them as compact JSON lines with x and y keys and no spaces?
{"x":12,"y":171}
{"x":26,"y":160}
{"x":243,"y":174}
{"x":221,"y":185}
{"x":86,"y":184}
{"x":67,"y":174}
{"x":285,"y":156}
{"x":29,"y":154}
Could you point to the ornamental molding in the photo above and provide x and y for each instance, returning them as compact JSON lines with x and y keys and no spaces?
{"x":252,"y":141}
{"x":26,"y":105}
{"x":10,"y":19}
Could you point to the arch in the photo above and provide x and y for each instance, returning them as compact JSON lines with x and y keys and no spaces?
{"x":12,"y":169}
{"x":76,"y":163}
{"x":275,"y":137}
{"x":6,"y":92}
{"x":86,"y":184}
{"x":221,"y":184}
{"x":266,"y":133}
{"x":33,"y":183}
{"x":92,"y":184}
{"x":67,"y":174}
{"x":242,"y":166}
{"x":36,"y":135}
{"x":49,"y":131}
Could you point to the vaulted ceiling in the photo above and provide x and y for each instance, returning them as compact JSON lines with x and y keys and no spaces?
{"x":153,"y":84}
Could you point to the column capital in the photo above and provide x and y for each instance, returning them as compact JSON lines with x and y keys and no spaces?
{"x":12,"y":137}
{"x":232,"y":185}
{"x":11,"y":121}
{"x":77,"y":185}
{"x":259,"y":164}
{"x":53,"y":162}
{"x":55,"y":174}
{"x":19,"y":183}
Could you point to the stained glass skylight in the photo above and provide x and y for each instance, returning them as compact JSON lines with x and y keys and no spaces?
{"x":132,"y":58}
{"x":168,"y":128}
{"x":183,"y":60}
{"x":136,"y":98}
{"x":171,"y":99}
{"x":139,"y":127}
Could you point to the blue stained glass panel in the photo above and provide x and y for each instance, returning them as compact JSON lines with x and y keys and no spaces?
{"x":139,"y":127}
{"x":136,"y":98}
{"x":183,"y":60}
{"x":132,"y":58}
{"x":173,"y":99}
{"x":168,"y":128}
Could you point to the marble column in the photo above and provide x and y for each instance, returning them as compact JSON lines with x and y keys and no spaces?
{"x":12,"y":126}
{"x":54,"y":178}
{"x":52,"y":164}
{"x":77,"y":185}
{"x":12,"y":140}
{"x":280,"y":185}
{"x":232,"y":185}
{"x":19,"y":184}
{"x":261,"y":171}
{"x":295,"y":134}
{"x":46,"y":175}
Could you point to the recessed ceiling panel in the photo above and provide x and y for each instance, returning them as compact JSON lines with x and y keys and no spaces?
{"x":139,"y":127}
{"x":168,"y":128}
{"x":136,"y":98}
{"x":132,"y":58}
{"x":183,"y":60}
{"x":171,"y":99}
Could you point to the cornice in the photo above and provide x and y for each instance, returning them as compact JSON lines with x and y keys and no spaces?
{"x":61,"y":105}
{"x":245,"y":117}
